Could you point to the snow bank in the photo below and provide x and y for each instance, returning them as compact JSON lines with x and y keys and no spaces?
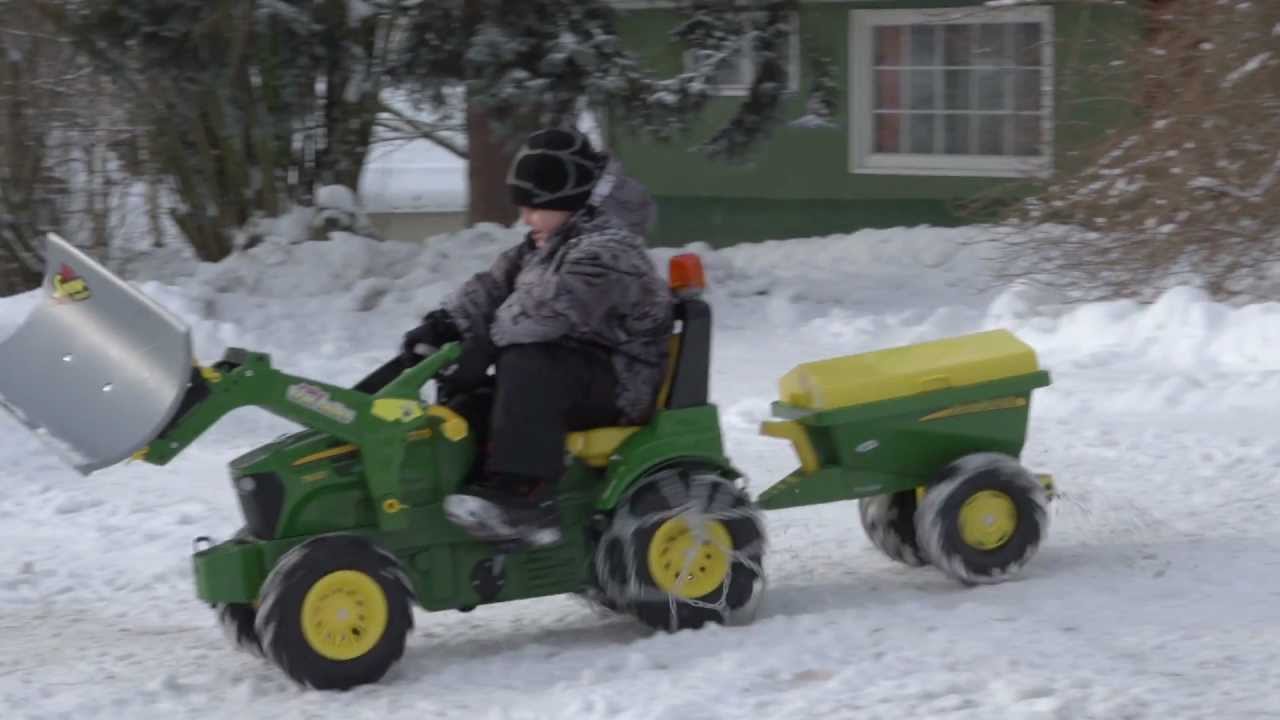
{"x":844,"y":293}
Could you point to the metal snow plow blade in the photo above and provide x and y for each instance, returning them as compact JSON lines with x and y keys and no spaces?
{"x":98,"y":369}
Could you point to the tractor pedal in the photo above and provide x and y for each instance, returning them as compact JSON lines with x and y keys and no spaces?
{"x":538,"y":540}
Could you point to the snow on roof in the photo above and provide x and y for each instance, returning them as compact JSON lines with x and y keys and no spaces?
{"x":413,"y":176}
{"x":422,"y":176}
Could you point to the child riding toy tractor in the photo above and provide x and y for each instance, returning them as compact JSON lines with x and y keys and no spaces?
{"x":344,"y":531}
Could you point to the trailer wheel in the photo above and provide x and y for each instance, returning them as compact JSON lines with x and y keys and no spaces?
{"x":983,"y":519}
{"x":684,"y":548}
{"x":335,"y":612}
{"x":890,"y":523}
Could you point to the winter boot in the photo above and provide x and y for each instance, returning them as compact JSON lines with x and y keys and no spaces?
{"x":507,"y":508}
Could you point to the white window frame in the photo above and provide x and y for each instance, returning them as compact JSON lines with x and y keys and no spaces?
{"x":863,"y":159}
{"x":746,"y":63}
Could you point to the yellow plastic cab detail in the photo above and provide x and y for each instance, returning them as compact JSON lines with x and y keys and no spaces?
{"x":396,"y":409}
{"x":595,"y":447}
{"x":799,"y":437}
{"x":907,"y":370}
{"x":454,"y":427}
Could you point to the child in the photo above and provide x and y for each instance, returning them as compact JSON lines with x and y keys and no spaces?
{"x":575,"y":318}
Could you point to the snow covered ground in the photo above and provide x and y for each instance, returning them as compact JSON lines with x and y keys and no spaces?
{"x":1157,"y":594}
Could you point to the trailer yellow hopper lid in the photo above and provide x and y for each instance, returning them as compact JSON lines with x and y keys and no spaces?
{"x":908,"y":370}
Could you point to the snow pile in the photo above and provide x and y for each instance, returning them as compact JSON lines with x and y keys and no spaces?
{"x":351,"y":295}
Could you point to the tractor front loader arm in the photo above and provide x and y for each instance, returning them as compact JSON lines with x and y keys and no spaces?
{"x":378,"y":424}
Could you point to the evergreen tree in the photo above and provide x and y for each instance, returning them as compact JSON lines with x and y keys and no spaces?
{"x":531,"y":63}
{"x":249,"y":103}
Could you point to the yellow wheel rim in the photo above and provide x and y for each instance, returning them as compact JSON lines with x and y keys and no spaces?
{"x":344,"y":615}
{"x":988,"y":519}
{"x":689,"y":564}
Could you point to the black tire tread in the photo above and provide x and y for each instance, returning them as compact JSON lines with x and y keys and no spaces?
{"x":889,"y":522}
{"x":281,"y":600}
{"x":937,"y":519}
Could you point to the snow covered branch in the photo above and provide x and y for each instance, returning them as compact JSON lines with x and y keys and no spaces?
{"x":401,"y":121}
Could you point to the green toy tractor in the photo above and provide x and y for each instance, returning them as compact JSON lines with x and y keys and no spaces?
{"x":344,"y":531}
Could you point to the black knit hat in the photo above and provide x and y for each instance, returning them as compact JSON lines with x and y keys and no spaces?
{"x":555,"y":169}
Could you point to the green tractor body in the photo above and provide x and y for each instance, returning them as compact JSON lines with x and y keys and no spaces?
{"x":310,"y":484}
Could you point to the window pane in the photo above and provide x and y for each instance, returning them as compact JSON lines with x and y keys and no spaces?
{"x":924,"y":94}
{"x":1026,"y":90}
{"x":921,"y":133}
{"x":730,"y":72}
{"x":992,"y":130}
{"x":923,"y":45}
{"x":991,"y":91}
{"x":888,"y":90}
{"x":992,"y":48}
{"x":957,"y":45}
{"x":733,"y":72}
{"x":888,"y":132}
{"x":889,"y":45}
{"x":1026,"y":135}
{"x":957,"y":89}
{"x":1026,"y":44}
{"x":957,"y":135}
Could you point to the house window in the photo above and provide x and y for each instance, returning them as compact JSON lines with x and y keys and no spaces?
{"x":952,"y":92}
{"x":738,"y":72}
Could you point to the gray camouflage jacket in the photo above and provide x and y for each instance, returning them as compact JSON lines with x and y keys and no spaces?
{"x":625,"y":198}
{"x":592,"y":283}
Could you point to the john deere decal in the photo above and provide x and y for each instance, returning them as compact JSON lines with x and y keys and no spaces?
{"x":67,"y":285}
{"x":1004,"y":403}
{"x":317,"y":400}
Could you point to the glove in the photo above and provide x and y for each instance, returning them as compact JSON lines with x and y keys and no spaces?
{"x":437,"y":328}
{"x":472,"y":368}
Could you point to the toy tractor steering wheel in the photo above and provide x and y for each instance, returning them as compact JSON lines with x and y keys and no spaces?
{"x":392,"y":369}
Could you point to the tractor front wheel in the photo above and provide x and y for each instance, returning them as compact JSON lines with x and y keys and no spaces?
{"x":983,"y":519}
{"x":237,"y":619}
{"x":237,"y":622}
{"x":335,"y":612}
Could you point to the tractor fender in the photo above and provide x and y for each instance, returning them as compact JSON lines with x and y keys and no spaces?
{"x":685,"y":435}
{"x":620,"y":481}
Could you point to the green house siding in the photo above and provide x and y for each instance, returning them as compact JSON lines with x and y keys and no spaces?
{"x":798,"y":181}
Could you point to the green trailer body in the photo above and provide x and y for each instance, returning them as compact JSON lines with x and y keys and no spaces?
{"x":949,"y":399}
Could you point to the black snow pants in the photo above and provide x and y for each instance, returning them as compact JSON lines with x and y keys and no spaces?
{"x":539,"y":393}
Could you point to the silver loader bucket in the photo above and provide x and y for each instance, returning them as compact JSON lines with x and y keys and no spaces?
{"x":98,"y":369}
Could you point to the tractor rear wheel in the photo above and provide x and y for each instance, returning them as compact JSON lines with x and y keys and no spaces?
{"x":890,"y":523}
{"x":983,"y":519}
{"x":684,"y":548}
{"x":335,"y":612}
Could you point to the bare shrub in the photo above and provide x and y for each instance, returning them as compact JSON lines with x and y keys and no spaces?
{"x":1189,"y":191}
